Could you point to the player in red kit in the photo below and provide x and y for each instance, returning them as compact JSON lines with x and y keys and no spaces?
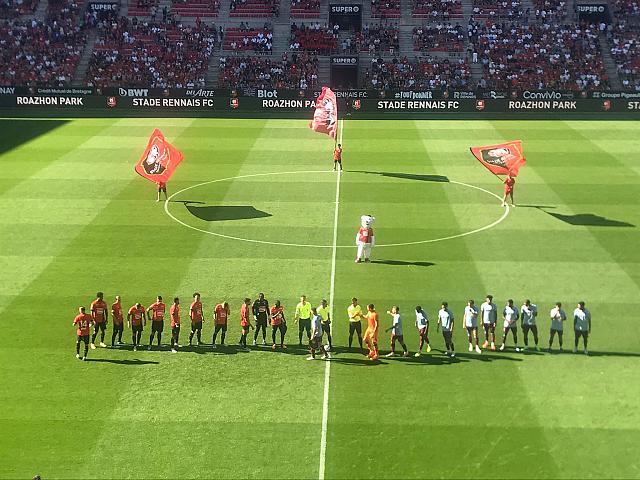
{"x":100,"y":315}
{"x":83,"y":323}
{"x":118,"y":321}
{"x":220,"y":316}
{"x":136,"y":317}
{"x":174,"y":312}
{"x":157,"y":320}
{"x":195,"y":313}
{"x":509,"y":183}
{"x":162,"y":187}
{"x":337,"y":157}
{"x":245,"y":323}
{"x":278,"y":324}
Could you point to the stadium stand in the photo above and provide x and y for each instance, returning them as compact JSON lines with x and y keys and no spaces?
{"x":550,"y":10}
{"x":626,"y":8}
{"x":442,"y":37}
{"x":385,"y":9}
{"x":195,"y":8}
{"x":142,"y":8}
{"x":147,"y":54}
{"x":314,"y":38}
{"x":437,"y":10}
{"x":624,"y":39}
{"x":497,"y":10}
{"x":254,"y":8}
{"x":298,"y":72}
{"x":305,"y":9}
{"x":541,"y":56}
{"x":243,"y":38}
{"x":422,"y":73}
{"x":376,"y":39}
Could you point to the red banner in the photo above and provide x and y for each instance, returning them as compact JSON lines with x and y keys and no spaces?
{"x":325,"y":118}
{"x":159,"y":160}
{"x":501,"y":159}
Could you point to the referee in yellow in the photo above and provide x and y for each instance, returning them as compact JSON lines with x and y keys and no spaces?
{"x":303,"y":318}
{"x":323,"y":311}
{"x":355,"y":325}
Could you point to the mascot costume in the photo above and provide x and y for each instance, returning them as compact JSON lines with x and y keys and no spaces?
{"x":365,"y":240}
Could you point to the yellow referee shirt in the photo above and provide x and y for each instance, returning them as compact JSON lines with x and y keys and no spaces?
{"x":303,"y":310}
{"x":323,"y":312}
{"x":354,"y":313}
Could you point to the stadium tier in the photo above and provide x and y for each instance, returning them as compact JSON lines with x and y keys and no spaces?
{"x":504,"y":45}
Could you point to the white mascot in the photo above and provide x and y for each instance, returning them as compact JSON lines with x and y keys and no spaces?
{"x":365,"y":240}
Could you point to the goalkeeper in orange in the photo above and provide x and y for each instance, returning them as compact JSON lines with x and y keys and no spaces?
{"x":371,"y":334}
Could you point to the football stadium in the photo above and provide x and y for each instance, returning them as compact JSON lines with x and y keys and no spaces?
{"x":310,"y":239}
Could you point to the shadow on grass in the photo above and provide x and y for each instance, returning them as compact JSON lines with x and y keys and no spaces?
{"x":16,"y":132}
{"x":135,"y":361}
{"x":218,"y":213}
{"x":590,"y":220}
{"x":403,"y":263}
{"x":408,"y":176}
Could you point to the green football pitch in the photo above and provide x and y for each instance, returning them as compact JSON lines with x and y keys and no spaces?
{"x":253,"y":209}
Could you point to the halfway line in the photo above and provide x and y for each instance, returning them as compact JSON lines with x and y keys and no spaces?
{"x":327,"y":368}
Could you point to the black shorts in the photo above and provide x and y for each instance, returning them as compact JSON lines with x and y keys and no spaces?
{"x":220,"y":326}
{"x":447,"y":334}
{"x":305,"y":324}
{"x":491,"y":327}
{"x":261,"y":322}
{"x":136,"y":328}
{"x":196,"y":326}
{"x":470,"y":330}
{"x":83,"y":338}
{"x":162,"y":189}
{"x":175,"y":330}
{"x":399,"y":338}
{"x":118,"y":327}
{"x":157,"y":326}
{"x":315,"y":342}
{"x":99,"y":326}
{"x":355,"y":327}
{"x":326,"y":328}
{"x":556,"y":330}
{"x":513,"y":326}
{"x":582,"y":333}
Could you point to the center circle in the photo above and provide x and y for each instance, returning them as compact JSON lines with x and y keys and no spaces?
{"x":171,"y":200}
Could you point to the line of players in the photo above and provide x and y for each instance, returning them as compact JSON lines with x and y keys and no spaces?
{"x":316,"y":322}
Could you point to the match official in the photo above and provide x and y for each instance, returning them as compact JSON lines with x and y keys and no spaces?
{"x":303,"y":318}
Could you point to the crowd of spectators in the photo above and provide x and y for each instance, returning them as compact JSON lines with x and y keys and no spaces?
{"x":245,"y":38}
{"x":374,"y":39}
{"x":421,"y":74}
{"x":157,"y":55}
{"x":543,"y":56}
{"x":498,"y":9}
{"x":42,"y":53}
{"x":14,"y":8}
{"x":321,"y":39}
{"x":385,"y":8}
{"x":624,"y":39}
{"x":550,"y":10}
{"x":441,"y":37}
{"x":299,"y":72}
{"x":437,"y":9}
{"x":626,"y":8}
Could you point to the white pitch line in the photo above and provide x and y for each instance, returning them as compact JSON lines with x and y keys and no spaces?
{"x":332,"y":285}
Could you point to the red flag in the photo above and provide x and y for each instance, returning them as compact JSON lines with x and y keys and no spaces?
{"x":325,"y":118}
{"x":501,"y":159}
{"x":159,"y":160}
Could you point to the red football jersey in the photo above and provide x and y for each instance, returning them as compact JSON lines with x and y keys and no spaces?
{"x":195,"y":312}
{"x":83,"y":324}
{"x":116,"y":311}
{"x":137,"y":314}
{"x":99,"y":311}
{"x":221,"y":314}
{"x":174,"y":311}
{"x":365,"y":234}
{"x":337,"y":153}
{"x":276,"y":315}
{"x":157,"y":311}
{"x":244,"y":315}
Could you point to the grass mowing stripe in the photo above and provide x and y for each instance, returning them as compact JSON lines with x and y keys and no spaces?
{"x":332,"y":285}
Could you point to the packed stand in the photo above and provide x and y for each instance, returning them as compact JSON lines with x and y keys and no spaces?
{"x":497,"y":9}
{"x":299,"y":72}
{"x":142,"y":8}
{"x":195,"y":8}
{"x":15,"y":8}
{"x":35,"y":53}
{"x":442,"y":37}
{"x":437,"y":9}
{"x":254,"y":8}
{"x":377,"y":39}
{"x":385,"y":8}
{"x":626,"y":8}
{"x":314,"y":37}
{"x":305,"y":9}
{"x":244,"y":38}
{"x":422,"y":74}
{"x":540,"y":57}
{"x":168,"y":55}
{"x":624,"y":39}
{"x":550,"y":10}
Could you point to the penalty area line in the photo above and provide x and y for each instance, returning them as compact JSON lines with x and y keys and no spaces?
{"x":332,"y":284}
